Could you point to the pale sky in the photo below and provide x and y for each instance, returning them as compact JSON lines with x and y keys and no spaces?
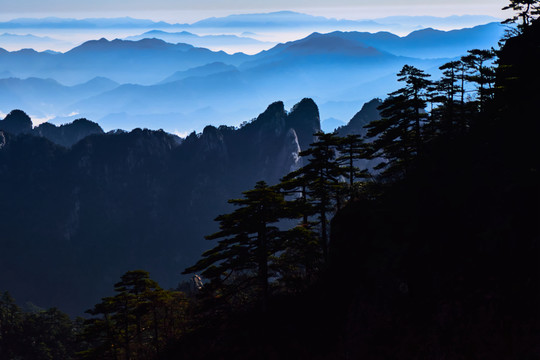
{"x":193,"y":10}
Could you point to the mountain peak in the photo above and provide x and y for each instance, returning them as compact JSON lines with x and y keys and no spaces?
{"x":367,"y":114}
{"x":274,"y":108}
{"x":118,"y":44}
{"x":272,"y":120}
{"x":68,"y":134}
{"x":317,"y":43}
{"x":304,"y":119}
{"x":16,"y":122}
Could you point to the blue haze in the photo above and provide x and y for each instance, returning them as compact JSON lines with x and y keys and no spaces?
{"x":153,"y":84}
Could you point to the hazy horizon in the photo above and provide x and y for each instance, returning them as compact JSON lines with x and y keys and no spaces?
{"x":64,"y":39}
{"x":191,"y":17}
{"x":183,"y":11}
{"x":342,"y":104}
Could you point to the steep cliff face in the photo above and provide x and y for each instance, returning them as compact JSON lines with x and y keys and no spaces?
{"x":112,"y":202}
{"x":304,"y":118}
{"x":269,"y":144}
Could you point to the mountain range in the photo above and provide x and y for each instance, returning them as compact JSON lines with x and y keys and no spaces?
{"x":179,"y":87}
{"x":89,"y":23}
{"x":213,"y":42}
{"x":223,"y":33}
{"x":18,"y":122}
{"x":153,"y":195}
{"x":278,"y":20}
{"x":41,"y":43}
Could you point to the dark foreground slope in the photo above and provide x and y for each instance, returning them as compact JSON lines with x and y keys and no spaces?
{"x":443,"y":263}
{"x":447,"y":261}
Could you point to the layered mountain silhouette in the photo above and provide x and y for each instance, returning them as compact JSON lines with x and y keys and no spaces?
{"x":89,"y":23}
{"x":153,"y":196}
{"x":47,"y":96}
{"x":11,"y":41}
{"x":430,"y":43}
{"x":215,"y":42}
{"x":200,"y":71}
{"x":68,"y":134}
{"x":144,"y":61}
{"x":367,"y":114}
{"x":178,"y":87}
{"x":17,"y":122}
{"x":280,"y":20}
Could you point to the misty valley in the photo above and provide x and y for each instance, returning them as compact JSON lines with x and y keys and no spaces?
{"x":157,"y":83}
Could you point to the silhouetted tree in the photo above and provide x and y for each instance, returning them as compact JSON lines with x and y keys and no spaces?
{"x":320,"y":181}
{"x":449,"y":87}
{"x":300,"y":261}
{"x":136,"y":322}
{"x":351,"y":148}
{"x":397,"y":137}
{"x":38,"y":334}
{"x":526,"y":12}
{"x":249,"y":237}
{"x":10,"y":326}
{"x":481,"y":74}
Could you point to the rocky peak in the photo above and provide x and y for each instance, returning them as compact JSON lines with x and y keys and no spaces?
{"x":213,"y":141}
{"x":304,"y":119}
{"x":272,"y":120}
{"x":16,"y":122}
{"x":68,"y":134}
{"x":367,"y":114}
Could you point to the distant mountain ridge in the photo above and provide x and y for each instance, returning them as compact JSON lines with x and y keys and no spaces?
{"x":150,"y":60}
{"x":17,"y":122}
{"x":205,"y":70}
{"x":432,"y":43}
{"x":296,"y":19}
{"x":258,"y":22}
{"x":179,"y":87}
{"x":207,"y":41}
{"x":88,"y":23}
{"x":272,"y":19}
{"x":47,"y":96}
{"x":279,"y":19}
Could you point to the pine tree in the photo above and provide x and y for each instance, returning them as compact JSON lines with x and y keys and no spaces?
{"x":11,"y":318}
{"x":526,"y":12}
{"x":351,"y":149}
{"x":449,"y":88}
{"x":320,"y":182}
{"x":481,"y":74}
{"x":397,"y":137}
{"x":136,"y":322}
{"x":249,"y":237}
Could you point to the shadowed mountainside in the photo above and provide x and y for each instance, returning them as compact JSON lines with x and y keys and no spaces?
{"x":153,"y":197}
{"x":18,"y":122}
